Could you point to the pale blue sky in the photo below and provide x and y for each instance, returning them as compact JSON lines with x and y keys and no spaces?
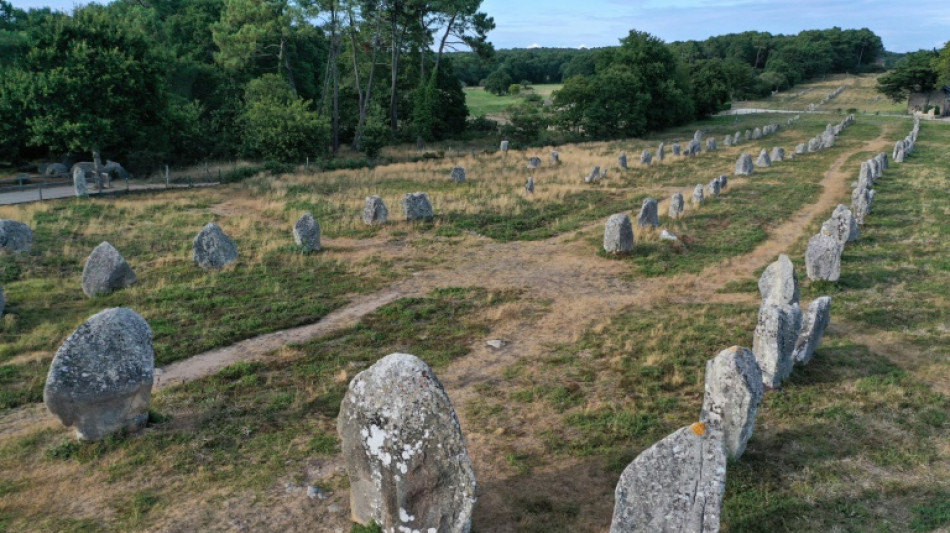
{"x":903,"y":26}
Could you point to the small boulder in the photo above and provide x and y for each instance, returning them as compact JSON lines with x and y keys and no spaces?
{"x":622,"y":161}
{"x":733,"y":394}
{"x":15,"y":236}
{"x":823,"y":258}
{"x":534,"y":162}
{"x":814,"y":322}
{"x":100,"y":380}
{"x":713,"y":188}
{"x":723,"y":181}
{"x":404,"y":451}
{"x":676,"y":148}
{"x":374,"y":211}
{"x":55,"y":169}
{"x":106,"y":271}
{"x":675,"y":485}
{"x":212,"y":248}
{"x":618,"y":234}
{"x":458,"y":174}
{"x":801,"y":148}
{"x":593,"y":176}
{"x":667,"y":235}
{"x":416,"y":206}
{"x":555,"y":158}
{"x":711,"y":144}
{"x":648,"y":214}
{"x":307,"y":233}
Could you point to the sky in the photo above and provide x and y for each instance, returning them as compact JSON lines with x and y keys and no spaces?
{"x":904,"y":27}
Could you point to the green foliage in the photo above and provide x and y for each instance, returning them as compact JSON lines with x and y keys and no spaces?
{"x":498,"y":82}
{"x":942,"y":65}
{"x":280,"y":126}
{"x":914,"y":73}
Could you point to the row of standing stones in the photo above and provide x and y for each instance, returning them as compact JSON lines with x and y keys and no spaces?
{"x":402,"y":442}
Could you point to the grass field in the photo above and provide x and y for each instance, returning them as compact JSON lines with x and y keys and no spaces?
{"x":858,"y":95}
{"x":604,"y":355}
{"x":481,"y":102}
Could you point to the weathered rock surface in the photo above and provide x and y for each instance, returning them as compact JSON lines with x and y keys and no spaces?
{"x":374,"y":211}
{"x":405,"y":456}
{"x":100,"y":380}
{"x":307,"y":233}
{"x":648,"y":214}
{"x":842,"y":225}
{"x":618,"y":234}
{"x":676,"y":206}
{"x":622,"y":161}
{"x":593,"y":176}
{"x":774,"y":341}
{"x":676,"y":485}
{"x":212,"y":248}
{"x":734,"y":392}
{"x":713,"y":188}
{"x":676,"y":149}
{"x":801,"y":148}
{"x":814,"y":323}
{"x":15,"y":236}
{"x":646,"y":157}
{"x":744,"y":165}
{"x":698,"y":198}
{"x":823,"y":258}
{"x":416,"y":206}
{"x":711,"y":144}
{"x":106,"y":271}
{"x":79,"y":182}
{"x":763,"y":160}
{"x":778,"y":283}
{"x":778,"y":154}
{"x":458,"y":174}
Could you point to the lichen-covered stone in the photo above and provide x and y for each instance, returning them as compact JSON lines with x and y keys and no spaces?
{"x":648,"y":216}
{"x":15,"y":236}
{"x":823,"y":258}
{"x":458,"y":174}
{"x":676,"y":206}
{"x":307,"y":233}
{"x":744,"y":165}
{"x":698,"y":197}
{"x":814,"y":323}
{"x":106,"y":271}
{"x":618,"y":234}
{"x":733,"y":394}
{"x":212,"y":248}
{"x":763,"y":160}
{"x":842,"y":226}
{"x":774,"y":341}
{"x":374,"y":211}
{"x":676,"y":485}
{"x":404,"y":452}
{"x":778,"y":283}
{"x":416,"y":206}
{"x":100,"y":380}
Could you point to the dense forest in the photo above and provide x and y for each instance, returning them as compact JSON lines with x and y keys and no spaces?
{"x":178,"y":81}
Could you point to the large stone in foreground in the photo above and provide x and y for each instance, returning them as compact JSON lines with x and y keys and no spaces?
{"x":814,"y":323}
{"x":416,"y":206}
{"x":774,"y":341}
{"x":212,"y":248}
{"x":404,"y":451}
{"x":823,"y":258}
{"x":106,"y":271}
{"x":648,"y":214}
{"x":100,"y":380}
{"x":778,"y":283}
{"x":618,"y":234}
{"x":374,"y":211}
{"x":15,"y":236}
{"x":307,"y":233}
{"x":733,"y":393}
{"x":676,"y":485}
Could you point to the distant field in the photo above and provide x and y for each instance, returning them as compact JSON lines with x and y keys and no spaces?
{"x":859,"y":94}
{"x":481,"y":102}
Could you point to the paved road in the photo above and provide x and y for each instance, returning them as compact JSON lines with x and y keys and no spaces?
{"x":66,"y":191}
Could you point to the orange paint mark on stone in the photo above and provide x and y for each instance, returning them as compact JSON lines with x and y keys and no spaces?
{"x":698,"y":428}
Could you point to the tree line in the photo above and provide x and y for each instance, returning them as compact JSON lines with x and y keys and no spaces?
{"x":917,"y":72}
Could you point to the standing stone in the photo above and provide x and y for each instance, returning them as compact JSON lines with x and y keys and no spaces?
{"x":732,"y":397}
{"x":711,"y":144}
{"x":801,"y":148}
{"x":55,"y":169}
{"x":713,"y":188}
{"x":593,"y":176}
{"x":676,"y":485}
{"x":693,"y":148}
{"x":504,"y":146}
{"x":106,"y":271}
{"x":458,"y":174}
{"x":648,"y":214}
{"x":676,"y":206}
{"x":698,"y":136}
{"x":860,"y":204}
{"x":100,"y":380}
{"x":698,"y":197}
{"x":404,"y":451}
{"x":79,"y":181}
{"x":661,"y":152}
{"x":774,"y":341}
{"x":307,"y":233}
{"x":737,"y":139}
{"x":416,"y":206}
{"x":898,"y":147}
{"x":618,"y":234}
{"x":778,"y":154}
{"x":646,"y":157}
{"x":823,"y":258}
{"x":900,"y":155}
{"x":778,"y":283}
{"x":748,"y":135}
{"x":827,"y":140}
{"x":529,"y":185}
{"x":723,"y":181}
{"x":15,"y":236}
{"x":727,"y":141}
{"x":622,"y":161}
{"x":814,"y":322}
{"x":676,"y":149}
{"x":763,"y":159}
{"x":555,"y":158}
{"x":212,"y":248}
{"x":374,"y":211}
{"x":757,"y":134}
{"x":814,"y":145}
{"x":842,"y":226}
{"x":744,"y":165}
{"x":534,"y":162}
